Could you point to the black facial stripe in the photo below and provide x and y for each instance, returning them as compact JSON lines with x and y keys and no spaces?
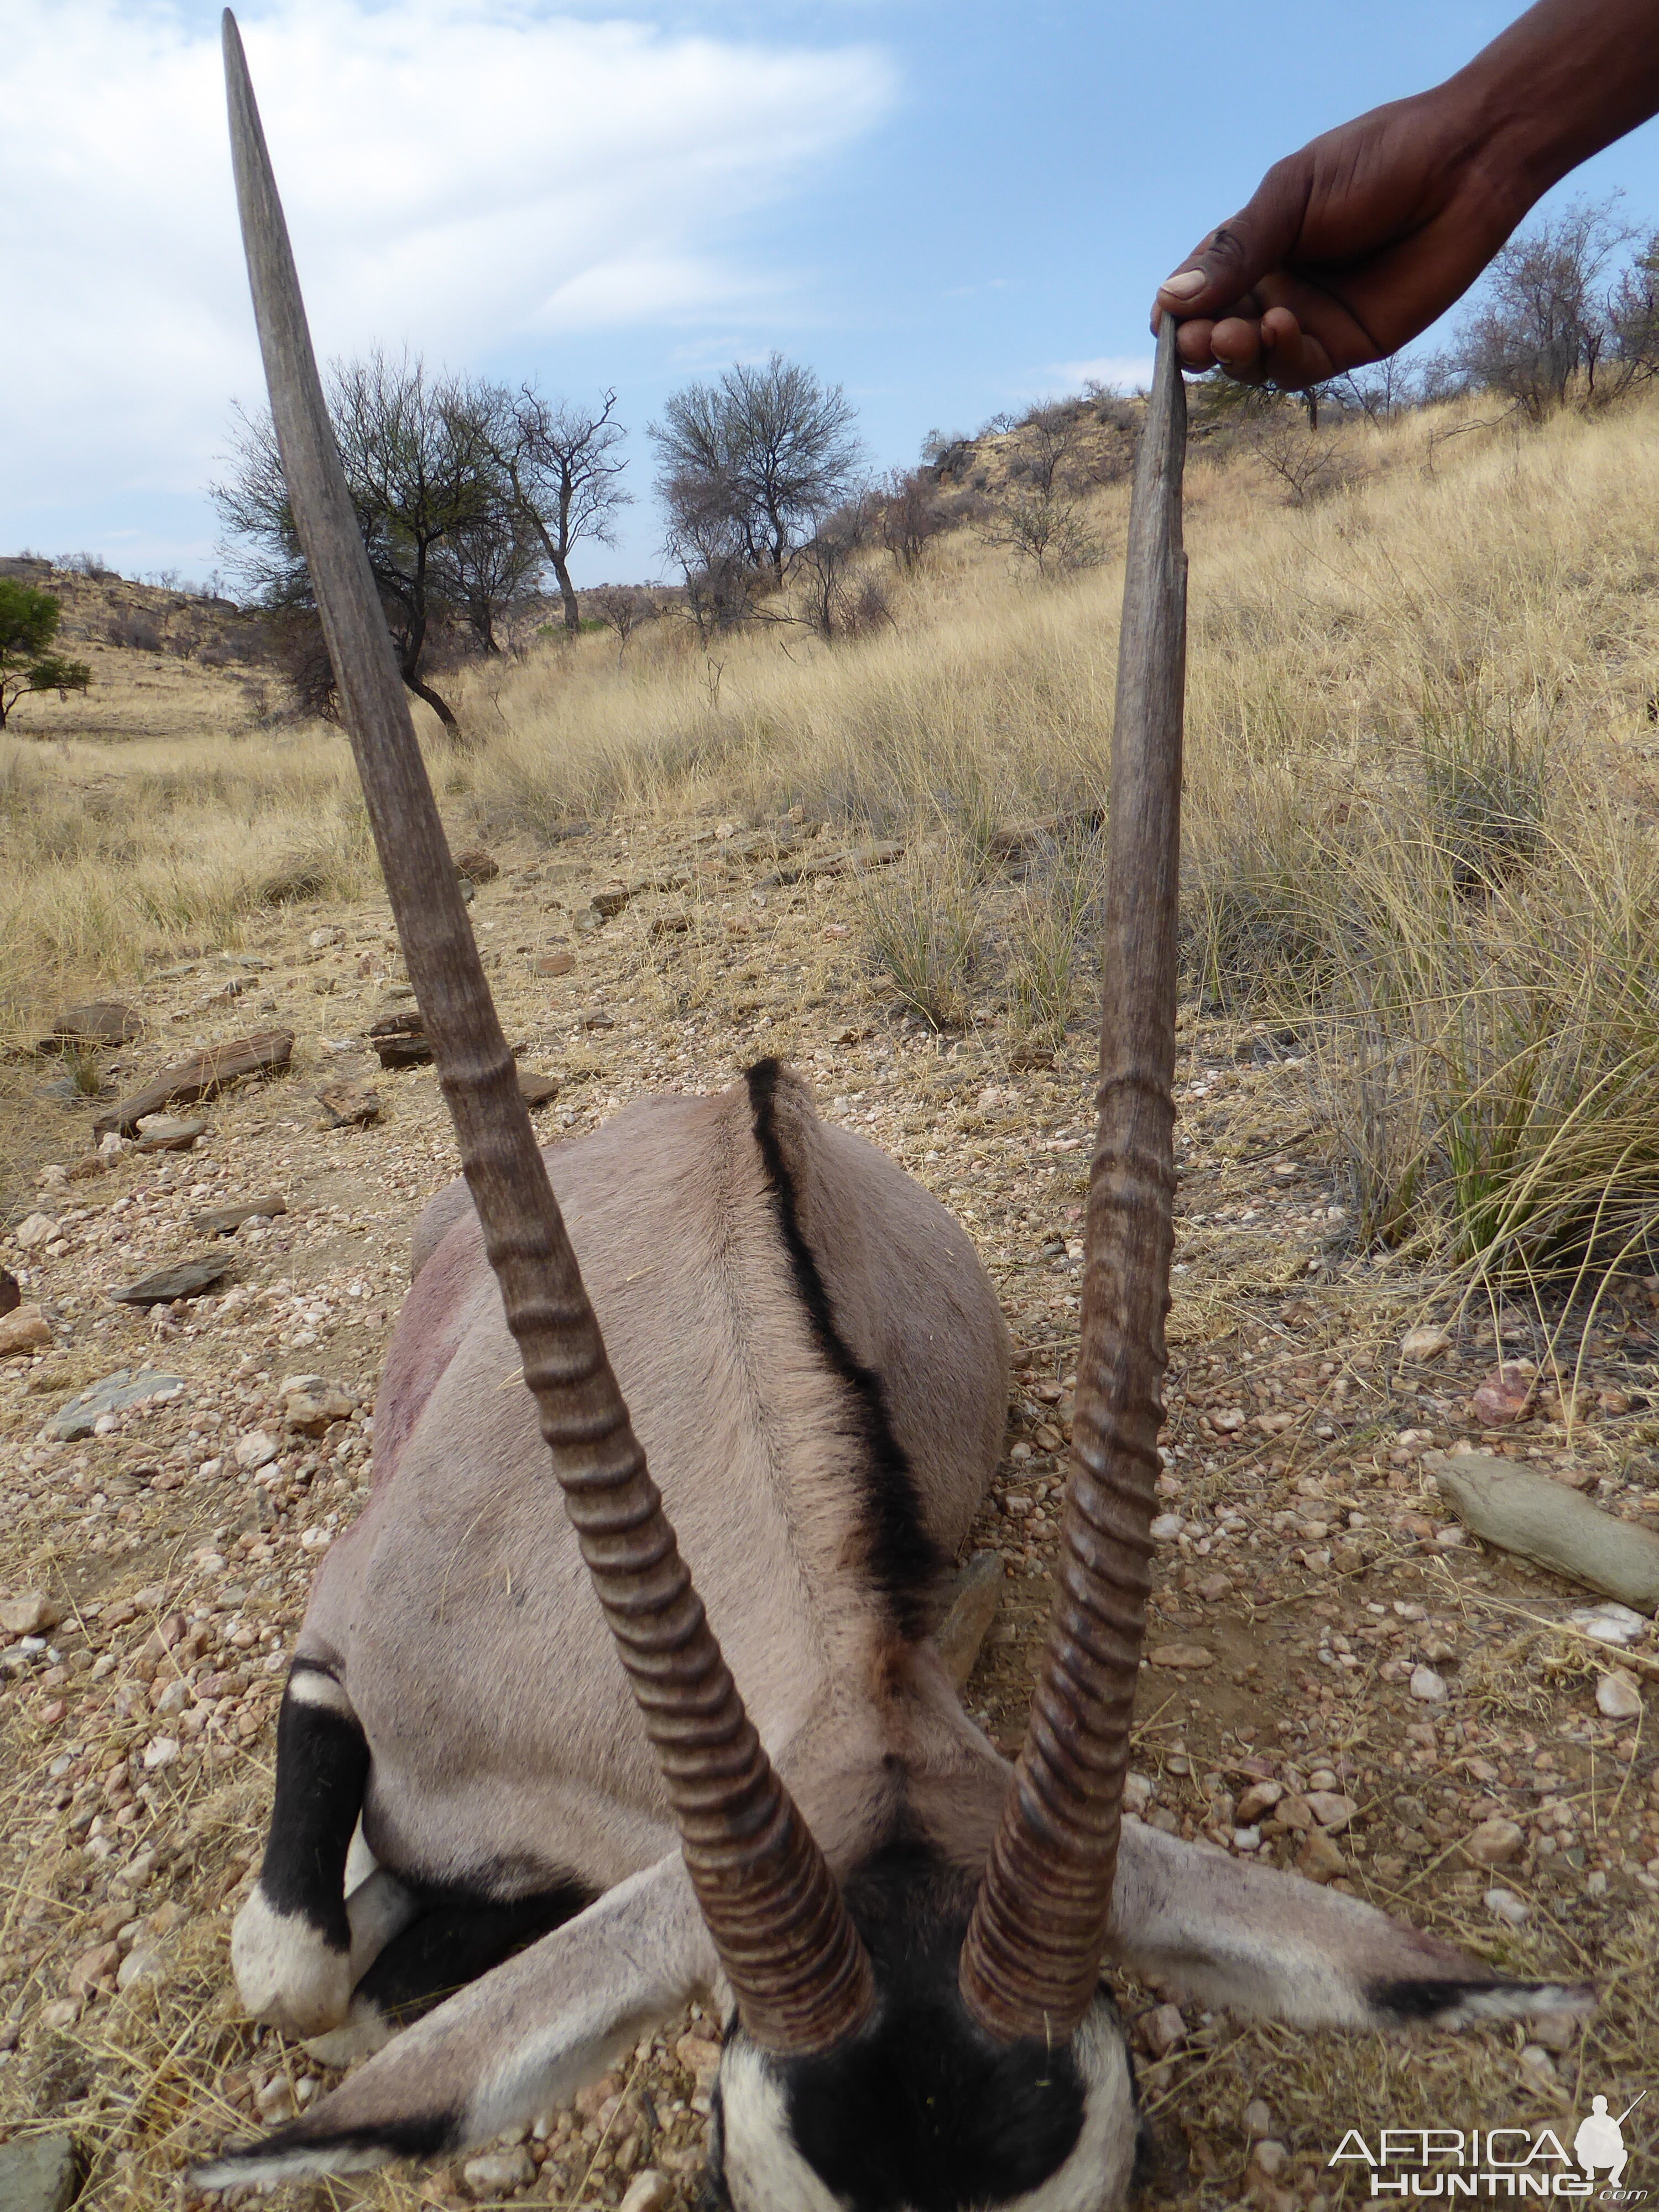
{"x":457,"y":1938}
{"x":904,"y":1558}
{"x":322,"y":1765}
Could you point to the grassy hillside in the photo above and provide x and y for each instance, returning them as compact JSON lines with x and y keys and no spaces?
{"x":1421,"y":795}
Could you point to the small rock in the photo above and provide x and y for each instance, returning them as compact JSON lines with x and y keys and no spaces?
{"x":61,"y":2013}
{"x":256,"y":1449}
{"x":112,"y":1393}
{"x":1166,"y":1527}
{"x":31,"y":1612}
{"x":537,"y":1089}
{"x":1331,"y":1809}
{"x":1163,"y":2030}
{"x":349,"y":1105}
{"x":1427,"y":1342}
{"x":39,"y":2174}
{"x":188,"y":1279}
{"x":1506,"y":1394}
{"x":1180,"y":1654}
{"x":399,"y":1040}
{"x":160,"y":1752}
{"x":668,"y":924}
{"x":597,"y":1018}
{"x":1503,"y":1905}
{"x":1318,"y":1859}
{"x":648,"y":2193}
{"x":1537,"y":2062}
{"x":91,"y":1968}
{"x":26,"y":1328}
{"x":1214,"y":1588}
{"x":1258,"y":2120}
{"x":1494,"y":1842}
{"x":1609,"y":1623}
{"x":1617,"y":1697}
{"x":1260,"y":1797}
{"x":611,"y":900}
{"x":33,"y":1230}
{"x":275,"y":2102}
{"x":145,"y":1962}
{"x":478,"y":866}
{"x":11,"y":1295}
{"x":1247,"y":1839}
{"x":312,"y":1410}
{"x":168,"y":1133}
{"x":1427,"y":1686}
{"x":1270,"y":2158}
{"x":330,"y":933}
{"x":1137,"y":1793}
{"x":498,"y":2172}
{"x":225,"y":1221}
{"x":555,"y":963}
{"x":105,"y":1021}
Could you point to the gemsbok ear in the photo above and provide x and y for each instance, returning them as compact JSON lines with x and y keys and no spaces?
{"x":1259,"y":1941}
{"x":520,"y":2041}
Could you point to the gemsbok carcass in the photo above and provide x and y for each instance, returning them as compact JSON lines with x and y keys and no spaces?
{"x":908,"y":1936}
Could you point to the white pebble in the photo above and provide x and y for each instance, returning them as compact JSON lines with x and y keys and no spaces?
{"x":1617,"y":1697}
{"x":256,"y":1449}
{"x":1503,"y":1905}
{"x":1426,"y":1685}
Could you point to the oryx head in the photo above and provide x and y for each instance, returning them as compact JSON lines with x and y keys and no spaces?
{"x":932,"y":2035}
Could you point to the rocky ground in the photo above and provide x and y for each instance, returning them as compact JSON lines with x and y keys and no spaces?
{"x":1339,"y":1678}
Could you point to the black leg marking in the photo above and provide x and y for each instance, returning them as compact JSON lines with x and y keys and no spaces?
{"x":322,"y":1766}
{"x":457,"y":1937}
{"x":905,"y":1558}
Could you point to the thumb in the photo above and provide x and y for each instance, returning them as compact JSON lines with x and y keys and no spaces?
{"x":1225,"y":266}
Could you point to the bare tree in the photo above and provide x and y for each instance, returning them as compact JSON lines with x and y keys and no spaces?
{"x":824,"y":568}
{"x":624,"y":608}
{"x":565,"y":468}
{"x":421,"y":472}
{"x":908,"y":515}
{"x":1037,"y":513}
{"x":757,"y":458}
{"x":1541,"y":325}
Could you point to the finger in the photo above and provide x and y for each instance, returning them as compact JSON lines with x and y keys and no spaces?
{"x":1236,"y":344}
{"x":1291,"y":356}
{"x":1262,"y":236}
{"x":1193,"y":344}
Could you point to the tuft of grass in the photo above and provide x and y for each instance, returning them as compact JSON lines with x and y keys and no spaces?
{"x":1053,"y":937}
{"x":924,"y":926}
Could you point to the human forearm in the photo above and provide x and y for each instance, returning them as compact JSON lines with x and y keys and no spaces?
{"x":1564,"y":80}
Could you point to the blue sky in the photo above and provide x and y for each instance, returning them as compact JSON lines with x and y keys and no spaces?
{"x":948,"y":208}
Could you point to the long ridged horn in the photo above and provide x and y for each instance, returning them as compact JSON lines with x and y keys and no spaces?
{"x":798,"y":1969}
{"x":1031,"y":1960}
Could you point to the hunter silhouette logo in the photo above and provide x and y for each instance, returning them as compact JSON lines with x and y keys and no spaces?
{"x":1491,"y":2162}
{"x":1600,"y":2142}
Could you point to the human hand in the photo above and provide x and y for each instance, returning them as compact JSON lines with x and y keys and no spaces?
{"x":1348,"y":249}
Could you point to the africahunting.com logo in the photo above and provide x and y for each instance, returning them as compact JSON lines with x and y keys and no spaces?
{"x":1498,"y":2161}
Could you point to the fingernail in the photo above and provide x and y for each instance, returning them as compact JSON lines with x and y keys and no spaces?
{"x":1185,"y":284}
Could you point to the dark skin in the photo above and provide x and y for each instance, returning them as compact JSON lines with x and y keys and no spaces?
{"x":1353,"y":245}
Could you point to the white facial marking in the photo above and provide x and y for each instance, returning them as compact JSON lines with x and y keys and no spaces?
{"x":765,"y":2172}
{"x":1096,"y":2174}
{"x":285,"y":1972}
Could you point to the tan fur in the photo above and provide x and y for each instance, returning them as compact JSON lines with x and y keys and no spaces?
{"x":457,"y":1612}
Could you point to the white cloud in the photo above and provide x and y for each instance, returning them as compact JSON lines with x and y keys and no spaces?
{"x":1117,"y":372}
{"x":457,"y":173}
